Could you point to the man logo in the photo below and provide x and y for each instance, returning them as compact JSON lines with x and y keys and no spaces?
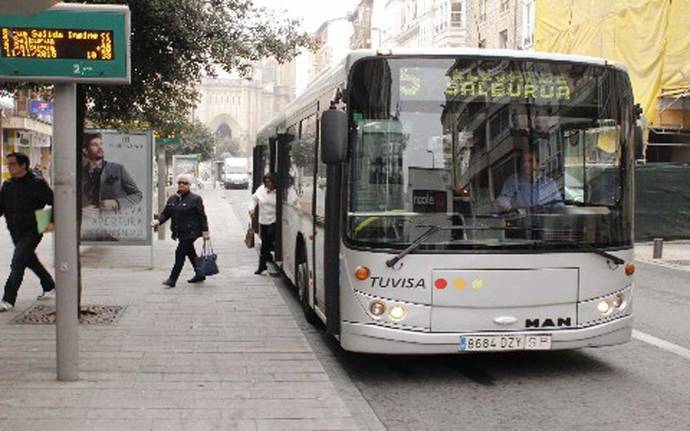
{"x":548,"y":323}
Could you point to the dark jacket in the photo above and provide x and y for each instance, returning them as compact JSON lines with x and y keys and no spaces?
{"x":19,"y":200}
{"x":115,"y":184}
{"x":187,"y":214}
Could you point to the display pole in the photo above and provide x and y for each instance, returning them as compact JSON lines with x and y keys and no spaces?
{"x":66,"y":232}
{"x":162,"y":182}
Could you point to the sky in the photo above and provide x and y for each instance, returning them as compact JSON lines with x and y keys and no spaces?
{"x":313,"y":13}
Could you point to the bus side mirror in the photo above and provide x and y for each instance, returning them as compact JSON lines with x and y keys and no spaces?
{"x":334,"y":130}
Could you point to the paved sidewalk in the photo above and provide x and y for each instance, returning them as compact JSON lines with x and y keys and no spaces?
{"x":226,"y":354}
{"x":675,"y":255}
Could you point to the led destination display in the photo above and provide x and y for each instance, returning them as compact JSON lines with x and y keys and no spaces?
{"x":56,"y":44}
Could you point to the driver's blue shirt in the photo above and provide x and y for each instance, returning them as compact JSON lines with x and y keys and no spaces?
{"x":519,"y":191}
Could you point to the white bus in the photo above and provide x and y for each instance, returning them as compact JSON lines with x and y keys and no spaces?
{"x":445,"y":201}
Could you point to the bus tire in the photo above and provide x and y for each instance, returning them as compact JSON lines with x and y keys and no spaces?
{"x":302,"y":278}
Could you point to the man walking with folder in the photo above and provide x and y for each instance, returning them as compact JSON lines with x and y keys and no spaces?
{"x":20,"y":198}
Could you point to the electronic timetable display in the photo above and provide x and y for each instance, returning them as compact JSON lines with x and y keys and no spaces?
{"x":52,"y":44}
{"x":67,"y":43}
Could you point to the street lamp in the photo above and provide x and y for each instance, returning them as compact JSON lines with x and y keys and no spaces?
{"x":433,"y":159}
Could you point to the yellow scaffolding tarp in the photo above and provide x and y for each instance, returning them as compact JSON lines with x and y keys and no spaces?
{"x":649,"y":37}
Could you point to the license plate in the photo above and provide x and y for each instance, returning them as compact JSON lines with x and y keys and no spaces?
{"x":501,"y":343}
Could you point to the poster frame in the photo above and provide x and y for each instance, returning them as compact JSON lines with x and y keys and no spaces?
{"x":148,"y":189}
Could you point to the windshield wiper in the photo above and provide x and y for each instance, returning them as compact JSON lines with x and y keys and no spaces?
{"x":416,"y":243}
{"x":613,"y":258}
{"x":432,"y":230}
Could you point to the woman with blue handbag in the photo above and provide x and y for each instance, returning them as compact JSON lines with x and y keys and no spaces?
{"x":189,"y":223}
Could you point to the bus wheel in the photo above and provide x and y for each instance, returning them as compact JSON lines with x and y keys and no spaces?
{"x":303,"y":291}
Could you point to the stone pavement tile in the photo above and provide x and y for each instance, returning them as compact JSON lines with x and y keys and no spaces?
{"x":305,"y":424}
{"x":676,"y":254}
{"x":204,"y":425}
{"x":75,"y":425}
{"x":225,"y":354}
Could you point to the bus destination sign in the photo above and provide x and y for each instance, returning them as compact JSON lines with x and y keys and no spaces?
{"x":53,"y":44}
{"x":67,"y":43}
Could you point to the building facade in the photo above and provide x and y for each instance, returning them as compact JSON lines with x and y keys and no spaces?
{"x":26,"y":125}
{"x":502,"y":24}
{"x":425,"y":23}
{"x":361,"y":25}
{"x":334,"y":37}
{"x":234,"y":108}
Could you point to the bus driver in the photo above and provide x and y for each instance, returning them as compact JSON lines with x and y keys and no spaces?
{"x":529,"y":187}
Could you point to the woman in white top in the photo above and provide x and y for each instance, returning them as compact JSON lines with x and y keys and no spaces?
{"x":265,"y":198}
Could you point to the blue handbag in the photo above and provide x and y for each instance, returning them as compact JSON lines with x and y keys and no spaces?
{"x":206,"y":263}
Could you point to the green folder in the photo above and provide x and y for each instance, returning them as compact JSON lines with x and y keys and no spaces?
{"x":43,"y":218}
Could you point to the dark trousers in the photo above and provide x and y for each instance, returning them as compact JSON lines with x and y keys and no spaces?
{"x":25,"y":257}
{"x":185,"y":249}
{"x":267,"y":232}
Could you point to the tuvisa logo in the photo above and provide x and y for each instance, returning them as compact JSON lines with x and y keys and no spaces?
{"x":397,"y":283}
{"x":547,"y":323}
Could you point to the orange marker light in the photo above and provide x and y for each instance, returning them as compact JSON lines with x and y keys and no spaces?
{"x":362,"y":273}
{"x":630,"y":269}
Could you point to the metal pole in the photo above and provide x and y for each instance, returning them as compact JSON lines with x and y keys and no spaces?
{"x":658,"y":248}
{"x":66,"y":232}
{"x":162,"y":182}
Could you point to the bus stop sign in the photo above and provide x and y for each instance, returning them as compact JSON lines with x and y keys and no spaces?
{"x":67,"y":43}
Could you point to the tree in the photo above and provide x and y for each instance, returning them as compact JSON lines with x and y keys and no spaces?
{"x":195,"y":138}
{"x":174,"y":43}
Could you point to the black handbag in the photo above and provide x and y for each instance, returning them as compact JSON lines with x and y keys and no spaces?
{"x":206,"y":263}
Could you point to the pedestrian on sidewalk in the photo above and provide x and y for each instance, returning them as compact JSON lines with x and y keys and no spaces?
{"x":265,"y":198}
{"x":189,"y":223}
{"x":20,"y":198}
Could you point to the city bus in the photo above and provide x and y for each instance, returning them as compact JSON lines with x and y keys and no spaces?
{"x":458,"y":200}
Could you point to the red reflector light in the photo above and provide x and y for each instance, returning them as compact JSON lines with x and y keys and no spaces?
{"x":440,"y":283}
{"x":630,"y":269}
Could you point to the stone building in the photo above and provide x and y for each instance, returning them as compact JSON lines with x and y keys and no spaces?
{"x":361,"y":24}
{"x":501,"y":24}
{"x":425,"y":23}
{"x":235,"y":108}
{"x":334,"y":37}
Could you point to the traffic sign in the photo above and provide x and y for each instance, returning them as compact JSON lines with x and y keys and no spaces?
{"x":67,"y":43}
{"x":169,"y":139}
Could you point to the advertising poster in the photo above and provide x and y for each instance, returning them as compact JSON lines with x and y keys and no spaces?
{"x":41,"y":110}
{"x":116,"y":185}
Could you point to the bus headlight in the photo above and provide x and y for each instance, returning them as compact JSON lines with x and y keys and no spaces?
{"x":604,"y":308}
{"x":397,"y":312}
{"x":377,"y":307}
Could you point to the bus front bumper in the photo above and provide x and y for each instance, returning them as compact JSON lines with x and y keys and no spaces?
{"x":366,"y":338}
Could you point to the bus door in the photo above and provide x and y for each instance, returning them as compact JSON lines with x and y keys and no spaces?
{"x":282,"y":154}
{"x":258,"y":165}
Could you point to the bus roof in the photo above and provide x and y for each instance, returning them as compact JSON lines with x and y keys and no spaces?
{"x":480,"y":52}
{"x":338,"y":70}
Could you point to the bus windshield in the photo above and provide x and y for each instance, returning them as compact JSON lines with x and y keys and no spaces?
{"x":495,"y":153}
